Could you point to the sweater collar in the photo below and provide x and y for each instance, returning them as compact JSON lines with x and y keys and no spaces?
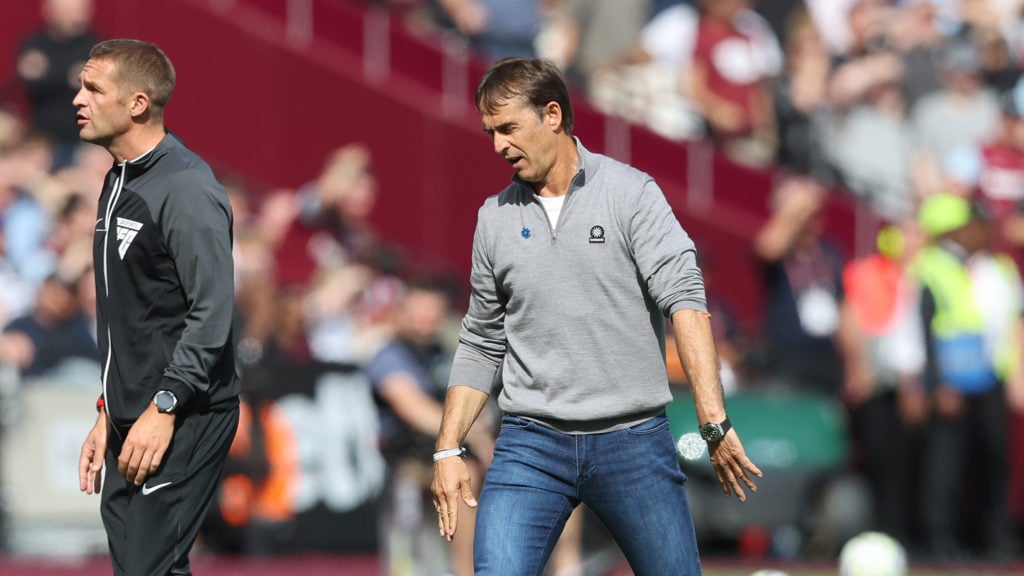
{"x":588,"y":165}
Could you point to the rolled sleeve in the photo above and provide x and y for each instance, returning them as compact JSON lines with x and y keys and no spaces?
{"x":665,"y":255}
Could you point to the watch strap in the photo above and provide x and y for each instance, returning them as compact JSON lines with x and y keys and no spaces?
{"x":449,"y":453}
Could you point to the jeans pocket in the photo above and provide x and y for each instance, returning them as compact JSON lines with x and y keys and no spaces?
{"x":515,"y":422}
{"x":650,"y":426}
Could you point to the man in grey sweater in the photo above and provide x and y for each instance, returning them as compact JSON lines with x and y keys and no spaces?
{"x":576,"y":264}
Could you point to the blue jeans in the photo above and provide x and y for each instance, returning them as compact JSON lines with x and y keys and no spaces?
{"x":630,"y":479}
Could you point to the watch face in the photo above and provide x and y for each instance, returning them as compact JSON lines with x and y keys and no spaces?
{"x":711,"y":432}
{"x":165,"y":401}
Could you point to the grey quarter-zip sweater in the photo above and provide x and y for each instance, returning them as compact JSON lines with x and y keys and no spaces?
{"x":572,"y":316}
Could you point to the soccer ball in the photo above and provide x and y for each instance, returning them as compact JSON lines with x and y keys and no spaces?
{"x":872,"y":554}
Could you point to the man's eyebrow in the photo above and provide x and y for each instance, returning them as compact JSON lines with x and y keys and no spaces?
{"x":499,"y":128}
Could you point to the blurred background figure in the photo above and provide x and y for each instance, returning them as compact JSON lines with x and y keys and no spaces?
{"x":410,"y":378}
{"x":963,"y":111}
{"x":802,"y":273}
{"x":867,"y":138}
{"x":971,"y":303}
{"x":992,"y":171}
{"x":800,"y":97}
{"x":57,"y":330}
{"x":331,"y":225}
{"x":734,"y":57}
{"x":884,"y":354}
{"x":48,"y":64}
{"x":494,"y":28}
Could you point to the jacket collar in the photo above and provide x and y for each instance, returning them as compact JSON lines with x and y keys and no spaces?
{"x":145,"y":161}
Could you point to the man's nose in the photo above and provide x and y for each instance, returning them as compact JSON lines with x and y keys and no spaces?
{"x":500,"y":144}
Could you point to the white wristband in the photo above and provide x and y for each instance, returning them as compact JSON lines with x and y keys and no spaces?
{"x":440,"y":454}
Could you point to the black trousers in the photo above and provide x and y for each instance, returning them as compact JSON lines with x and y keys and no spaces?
{"x":151,"y":528}
{"x":975,"y":442}
{"x":889,"y":451}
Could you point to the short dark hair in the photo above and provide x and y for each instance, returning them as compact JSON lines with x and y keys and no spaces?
{"x":537,"y":80}
{"x":140,"y":66}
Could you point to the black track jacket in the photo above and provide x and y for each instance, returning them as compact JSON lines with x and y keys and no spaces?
{"x":164,"y":284}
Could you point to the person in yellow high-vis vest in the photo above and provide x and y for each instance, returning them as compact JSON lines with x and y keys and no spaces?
{"x":971,"y":303}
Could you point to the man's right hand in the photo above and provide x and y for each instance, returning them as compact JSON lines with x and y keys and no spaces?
{"x":451,"y":483}
{"x":90,"y":463}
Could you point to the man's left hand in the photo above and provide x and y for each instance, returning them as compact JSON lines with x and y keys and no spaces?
{"x":732,"y":466}
{"x":145,"y":446}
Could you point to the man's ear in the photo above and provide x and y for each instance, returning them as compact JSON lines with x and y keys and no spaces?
{"x":553,"y":115}
{"x":139,"y":104}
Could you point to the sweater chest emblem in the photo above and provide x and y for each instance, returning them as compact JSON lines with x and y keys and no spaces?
{"x":597,"y":235}
{"x":127,"y":230}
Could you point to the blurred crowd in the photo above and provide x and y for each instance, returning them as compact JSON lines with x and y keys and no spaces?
{"x":913,"y":106}
{"x":890,"y":99}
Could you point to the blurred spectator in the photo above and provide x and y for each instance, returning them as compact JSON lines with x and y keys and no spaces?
{"x":832,"y":17}
{"x":48,"y":65}
{"x":600,"y":33}
{"x":85,"y":174}
{"x":649,"y":82}
{"x":993,"y":171}
{"x":867,"y":138}
{"x":868,"y":60}
{"x":255,"y":500}
{"x":803,"y":291}
{"x":339,"y":329}
{"x":971,"y":304}
{"x":734,"y":56}
{"x":777,"y":13}
{"x":410,"y":378}
{"x":74,"y":224}
{"x":278,"y":211}
{"x":24,"y":172}
{"x":55,"y":331}
{"x":1000,"y":69}
{"x":331,"y":226}
{"x":16,"y":295}
{"x":800,"y":98}
{"x":919,"y":39}
{"x":963,"y":112}
{"x":884,"y":354}
{"x":495,"y":28}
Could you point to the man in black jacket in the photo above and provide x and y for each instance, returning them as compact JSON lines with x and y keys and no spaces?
{"x":164,"y":282}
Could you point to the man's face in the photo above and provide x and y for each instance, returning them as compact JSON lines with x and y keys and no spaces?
{"x":523,"y":138}
{"x":102,"y":112}
{"x":422,"y":312}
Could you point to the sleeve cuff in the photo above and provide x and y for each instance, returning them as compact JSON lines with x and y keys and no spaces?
{"x":182,"y":391}
{"x":473,"y":375}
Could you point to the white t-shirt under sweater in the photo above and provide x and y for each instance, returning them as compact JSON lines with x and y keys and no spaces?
{"x":552,"y":207}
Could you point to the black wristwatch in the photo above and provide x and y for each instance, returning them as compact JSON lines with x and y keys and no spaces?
{"x":715,"y":431}
{"x":166,"y":402}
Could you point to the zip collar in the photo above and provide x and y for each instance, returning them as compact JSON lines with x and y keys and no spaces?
{"x":142,"y":163}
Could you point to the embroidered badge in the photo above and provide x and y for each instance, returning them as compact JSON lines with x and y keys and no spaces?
{"x":597,"y":235}
{"x":127,"y":230}
{"x":525,"y":232}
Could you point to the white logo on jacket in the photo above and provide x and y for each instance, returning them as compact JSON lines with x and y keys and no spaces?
{"x":127,"y":230}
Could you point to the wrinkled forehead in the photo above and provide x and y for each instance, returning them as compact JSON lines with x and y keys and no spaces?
{"x":500,"y":111}
{"x":98,"y":69}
